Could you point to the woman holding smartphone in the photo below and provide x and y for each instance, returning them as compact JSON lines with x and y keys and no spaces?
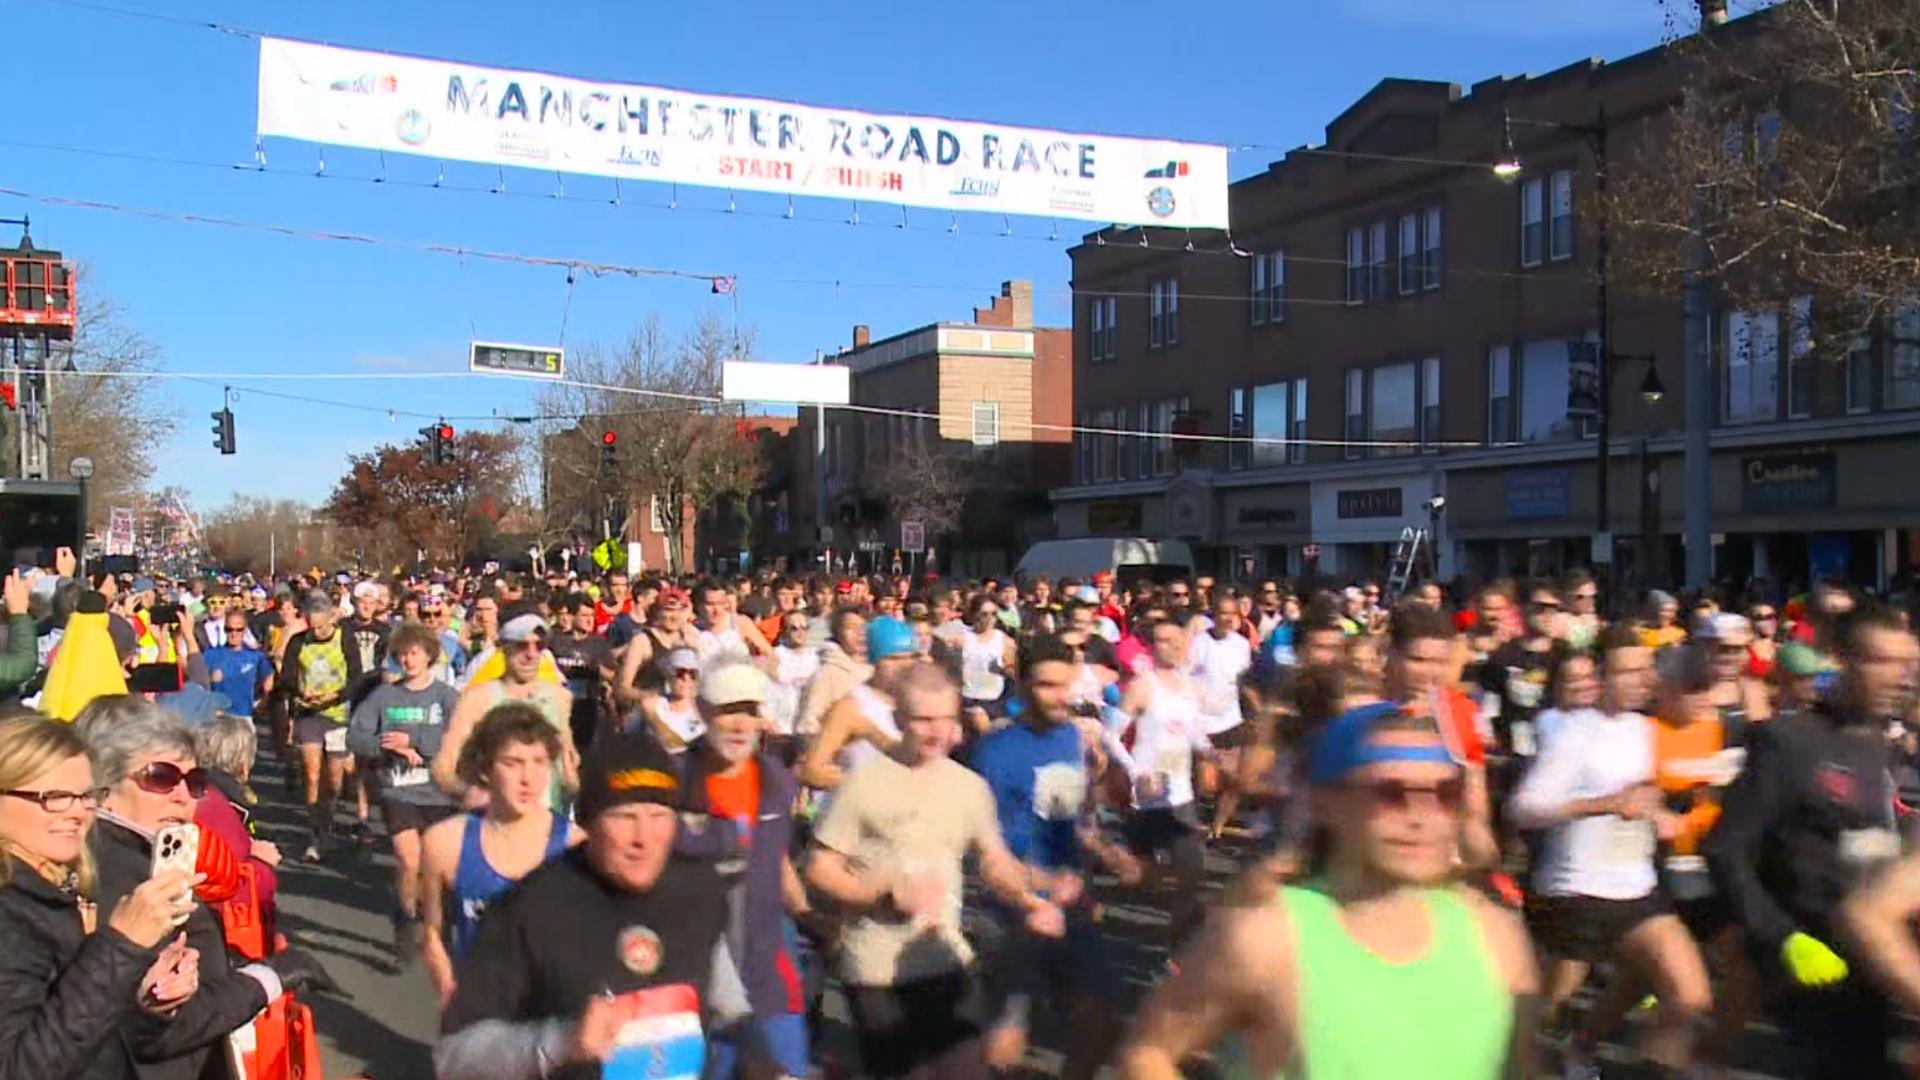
{"x":69,"y":979}
{"x":151,"y":781}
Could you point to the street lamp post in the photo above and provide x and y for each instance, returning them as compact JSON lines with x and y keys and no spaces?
{"x":81,"y":469}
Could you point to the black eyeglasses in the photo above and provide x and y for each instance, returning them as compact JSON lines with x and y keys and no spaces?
{"x":58,"y":802}
{"x":161,"y":777}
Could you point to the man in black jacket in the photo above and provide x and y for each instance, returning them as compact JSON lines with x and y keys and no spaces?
{"x":1809,"y":818}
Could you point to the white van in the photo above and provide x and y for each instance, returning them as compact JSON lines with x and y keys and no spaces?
{"x":1126,"y":558}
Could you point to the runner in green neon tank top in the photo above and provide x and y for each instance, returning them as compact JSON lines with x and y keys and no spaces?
{"x":1377,"y":969}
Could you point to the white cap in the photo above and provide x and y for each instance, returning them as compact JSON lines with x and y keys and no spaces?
{"x":733,"y":682}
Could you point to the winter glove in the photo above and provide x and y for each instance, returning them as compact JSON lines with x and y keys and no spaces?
{"x":1810,"y":961}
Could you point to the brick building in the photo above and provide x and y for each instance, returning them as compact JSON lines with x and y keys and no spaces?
{"x":1002,"y":391}
{"x":1404,"y":319}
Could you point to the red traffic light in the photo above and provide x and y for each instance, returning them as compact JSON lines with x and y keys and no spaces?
{"x":446,"y":431}
{"x":608,"y":438}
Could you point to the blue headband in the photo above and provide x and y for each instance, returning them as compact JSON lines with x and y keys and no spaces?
{"x":1346,"y":744}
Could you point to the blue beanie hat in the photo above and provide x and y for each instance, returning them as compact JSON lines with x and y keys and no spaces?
{"x":888,"y":636}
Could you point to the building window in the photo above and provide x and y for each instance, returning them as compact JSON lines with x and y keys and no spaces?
{"x":1280,"y":422}
{"x":1107,"y":461}
{"x":1143,"y":442}
{"x":1102,"y":336}
{"x":1752,"y":388}
{"x":1561,"y":237}
{"x":986,"y":425}
{"x":1533,"y":216}
{"x":1409,"y":263}
{"x":1903,"y":361}
{"x":1500,"y":411}
{"x":656,"y":516}
{"x":1238,"y":453}
{"x":1163,"y":313}
{"x":1392,"y":413}
{"x":1430,"y":402}
{"x":1860,"y":375}
{"x":1086,"y":447}
{"x":1377,"y":262}
{"x":1800,"y":358}
{"x":1430,"y":250}
{"x":1356,"y":427}
{"x":1163,"y":415}
{"x":1269,"y":289}
{"x":1356,"y":265}
{"x":1543,"y":393}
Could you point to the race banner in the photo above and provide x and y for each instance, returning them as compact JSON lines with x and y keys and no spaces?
{"x":494,"y":116}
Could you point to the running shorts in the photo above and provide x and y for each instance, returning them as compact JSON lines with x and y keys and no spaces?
{"x":320,"y":731}
{"x":1589,"y":928}
{"x":901,"y":1028}
{"x":403,"y":816}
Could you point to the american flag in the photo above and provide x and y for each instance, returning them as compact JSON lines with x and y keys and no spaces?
{"x":723,"y":286}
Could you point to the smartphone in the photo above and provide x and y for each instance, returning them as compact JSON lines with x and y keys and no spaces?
{"x":164,"y":614}
{"x":176,"y":847}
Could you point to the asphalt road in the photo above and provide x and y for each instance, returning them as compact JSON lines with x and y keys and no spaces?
{"x":383,"y":1025}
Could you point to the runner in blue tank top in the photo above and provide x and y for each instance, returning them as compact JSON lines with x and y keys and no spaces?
{"x":473,"y":859}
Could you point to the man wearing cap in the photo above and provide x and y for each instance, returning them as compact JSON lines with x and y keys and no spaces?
{"x":672,"y":716}
{"x":316,"y":673}
{"x":860,"y":726}
{"x":669,"y":627}
{"x":610,"y":960}
{"x":366,"y":637}
{"x":523,"y":642}
{"x":742,"y":798}
{"x":1404,"y":968}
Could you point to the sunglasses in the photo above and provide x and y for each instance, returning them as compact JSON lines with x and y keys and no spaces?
{"x":1586,"y":596}
{"x":1396,"y":796}
{"x":58,"y":802}
{"x":1546,"y":605}
{"x":161,"y":777}
{"x":686,"y":673}
{"x":1764,"y":616}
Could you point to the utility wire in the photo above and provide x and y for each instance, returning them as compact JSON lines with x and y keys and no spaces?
{"x":699,"y":403}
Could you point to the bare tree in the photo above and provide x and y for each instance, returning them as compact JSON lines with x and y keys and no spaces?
{"x":106,"y":413}
{"x":1793,"y":152}
{"x":929,"y":483}
{"x":676,"y":447}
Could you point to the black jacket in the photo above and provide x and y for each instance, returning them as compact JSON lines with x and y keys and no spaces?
{"x":1809,"y":818}
{"x":191,"y":1045}
{"x":66,"y":999}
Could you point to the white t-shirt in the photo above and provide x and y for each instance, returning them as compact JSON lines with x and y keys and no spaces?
{"x":1217,"y":666}
{"x":1590,"y":755}
{"x":792,"y":669}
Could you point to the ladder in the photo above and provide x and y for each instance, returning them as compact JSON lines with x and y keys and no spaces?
{"x":1406,"y":560}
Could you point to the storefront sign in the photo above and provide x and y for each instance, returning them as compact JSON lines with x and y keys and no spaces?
{"x":1267,"y":516}
{"x":1368,"y":503}
{"x":1782,"y":482}
{"x":1114,"y":516}
{"x":1533,"y":494}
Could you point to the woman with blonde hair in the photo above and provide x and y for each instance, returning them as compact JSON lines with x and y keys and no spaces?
{"x":69,"y":986}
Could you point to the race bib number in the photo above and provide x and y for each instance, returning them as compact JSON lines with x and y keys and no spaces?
{"x":1524,"y":744}
{"x":334,"y":741}
{"x":407,"y":775}
{"x":1630,"y":842}
{"x":1864,"y":849}
{"x":1059,"y":791}
{"x":660,"y":1036}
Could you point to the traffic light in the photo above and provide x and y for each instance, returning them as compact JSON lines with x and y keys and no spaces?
{"x":223,"y":431}
{"x":439,"y":443}
{"x":609,"y":451}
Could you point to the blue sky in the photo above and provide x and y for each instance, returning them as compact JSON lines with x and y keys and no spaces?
{"x":215,"y":299}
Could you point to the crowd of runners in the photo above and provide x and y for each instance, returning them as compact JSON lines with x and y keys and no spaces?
{"x":640,"y":826}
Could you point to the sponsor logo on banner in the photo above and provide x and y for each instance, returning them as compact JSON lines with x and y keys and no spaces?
{"x":496,"y":116}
